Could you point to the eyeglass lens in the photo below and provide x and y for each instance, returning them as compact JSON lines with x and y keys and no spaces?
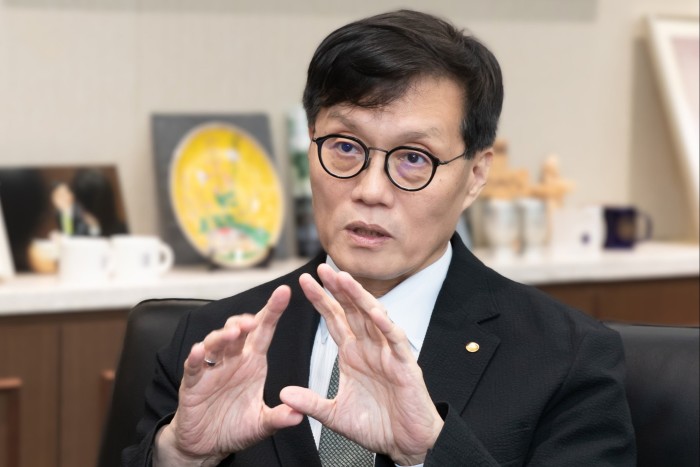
{"x":407,"y":167}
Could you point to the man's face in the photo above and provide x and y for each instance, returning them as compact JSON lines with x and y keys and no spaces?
{"x":377,"y":232}
{"x":62,"y":197}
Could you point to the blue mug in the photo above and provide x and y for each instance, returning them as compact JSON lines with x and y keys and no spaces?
{"x":625,"y":226}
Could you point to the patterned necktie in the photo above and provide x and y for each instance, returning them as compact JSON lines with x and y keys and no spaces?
{"x":336,"y":450}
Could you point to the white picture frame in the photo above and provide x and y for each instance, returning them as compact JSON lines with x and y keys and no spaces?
{"x":675,"y":53}
{"x":7,"y":269}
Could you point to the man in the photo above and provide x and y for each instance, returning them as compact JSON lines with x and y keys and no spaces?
{"x":71,"y":217}
{"x":440,"y":360}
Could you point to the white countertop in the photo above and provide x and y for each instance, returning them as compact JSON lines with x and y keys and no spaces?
{"x":649,"y":260}
{"x":31,"y":293}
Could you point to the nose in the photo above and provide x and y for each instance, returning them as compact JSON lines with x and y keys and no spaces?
{"x":372,"y":185}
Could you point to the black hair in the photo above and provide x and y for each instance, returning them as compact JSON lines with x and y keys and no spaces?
{"x":95,"y":193}
{"x":372,"y":62}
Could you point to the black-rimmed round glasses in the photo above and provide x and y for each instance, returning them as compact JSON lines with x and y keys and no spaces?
{"x":408,"y":168}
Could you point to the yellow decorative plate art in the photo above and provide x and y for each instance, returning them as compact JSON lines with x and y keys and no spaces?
{"x":226,"y":195}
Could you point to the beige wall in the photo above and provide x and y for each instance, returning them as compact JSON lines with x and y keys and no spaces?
{"x":79,"y":80}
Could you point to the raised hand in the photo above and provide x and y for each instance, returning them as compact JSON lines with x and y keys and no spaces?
{"x":220,"y":408}
{"x":382,"y":401}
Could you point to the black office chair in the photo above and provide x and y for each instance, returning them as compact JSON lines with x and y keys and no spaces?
{"x":150,"y":326}
{"x":663,"y":391}
{"x":662,"y":384}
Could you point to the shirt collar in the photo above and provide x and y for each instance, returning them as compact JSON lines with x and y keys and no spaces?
{"x":410,"y":304}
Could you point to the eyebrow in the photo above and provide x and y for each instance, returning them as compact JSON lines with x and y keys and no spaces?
{"x":413,"y":134}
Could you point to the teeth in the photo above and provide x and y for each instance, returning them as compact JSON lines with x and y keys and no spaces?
{"x":368,"y":233}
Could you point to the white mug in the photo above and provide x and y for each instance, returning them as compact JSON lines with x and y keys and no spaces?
{"x":501,"y":227}
{"x":533,"y":226}
{"x":577,"y":232}
{"x":84,"y":259}
{"x":140,"y":257}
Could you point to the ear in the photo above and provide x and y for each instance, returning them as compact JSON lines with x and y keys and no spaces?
{"x":311,"y":131}
{"x":478,"y":174}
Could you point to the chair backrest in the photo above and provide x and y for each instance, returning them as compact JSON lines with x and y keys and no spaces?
{"x":662,"y":384}
{"x":663,"y":391}
{"x":150,"y":326}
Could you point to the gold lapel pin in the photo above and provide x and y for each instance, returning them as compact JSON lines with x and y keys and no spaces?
{"x":472,"y":347}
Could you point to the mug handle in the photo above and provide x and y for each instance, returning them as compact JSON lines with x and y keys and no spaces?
{"x":648,"y":226}
{"x":109,"y":263}
{"x":167,"y":257}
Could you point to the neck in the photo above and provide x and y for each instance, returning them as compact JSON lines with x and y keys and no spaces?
{"x":379,"y":288}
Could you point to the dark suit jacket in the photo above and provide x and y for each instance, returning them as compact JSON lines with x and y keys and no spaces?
{"x":545,"y":387}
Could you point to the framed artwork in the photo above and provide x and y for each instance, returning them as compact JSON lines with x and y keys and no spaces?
{"x":7,"y":267}
{"x":71,"y":200}
{"x":220,"y":198}
{"x":675,"y":51}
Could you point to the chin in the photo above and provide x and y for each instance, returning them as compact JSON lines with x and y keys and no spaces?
{"x":369,"y":266}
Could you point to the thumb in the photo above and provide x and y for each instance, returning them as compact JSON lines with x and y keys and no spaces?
{"x":280,"y":417}
{"x":306,"y":401}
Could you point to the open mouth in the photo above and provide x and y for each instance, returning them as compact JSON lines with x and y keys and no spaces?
{"x":367,"y":231}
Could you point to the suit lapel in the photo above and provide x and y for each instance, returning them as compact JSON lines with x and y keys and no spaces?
{"x":289,"y":358}
{"x":452,"y":371}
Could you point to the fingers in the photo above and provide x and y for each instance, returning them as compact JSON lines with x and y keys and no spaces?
{"x":327,"y":307}
{"x":364,"y":313}
{"x":305,"y":401}
{"x":357,"y":302}
{"x":344,"y":282}
{"x":268,"y":317}
{"x":344,"y":317}
{"x":394,"y":335}
{"x":247,"y":330}
{"x":229,"y":342}
{"x":193,"y":366}
{"x":218,"y":344}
